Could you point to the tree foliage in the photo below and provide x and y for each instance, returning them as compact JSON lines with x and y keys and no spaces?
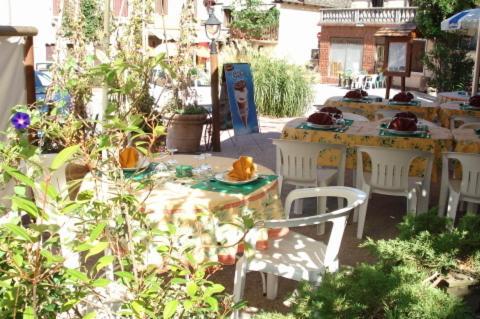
{"x":252,"y":19}
{"x":448,"y":61}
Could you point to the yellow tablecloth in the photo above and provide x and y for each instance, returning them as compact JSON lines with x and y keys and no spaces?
{"x":200,"y":216}
{"x":427,"y":111}
{"x":449,"y":109}
{"x":444,"y":97}
{"x":466,"y":141}
{"x":367,"y":133}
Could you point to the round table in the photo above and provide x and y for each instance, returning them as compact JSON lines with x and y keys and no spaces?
{"x":206,"y":213}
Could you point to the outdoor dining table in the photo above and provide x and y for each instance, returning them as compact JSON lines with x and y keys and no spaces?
{"x":205,"y":211}
{"x":427,"y":111}
{"x":444,"y":97}
{"x":450,"y":109}
{"x":437,"y":140}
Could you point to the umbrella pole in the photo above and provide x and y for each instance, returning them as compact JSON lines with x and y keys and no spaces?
{"x":477,"y":65}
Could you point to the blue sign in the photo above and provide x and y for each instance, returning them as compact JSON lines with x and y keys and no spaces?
{"x":240,"y":93}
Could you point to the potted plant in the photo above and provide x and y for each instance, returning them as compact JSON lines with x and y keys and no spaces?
{"x":185,"y":119}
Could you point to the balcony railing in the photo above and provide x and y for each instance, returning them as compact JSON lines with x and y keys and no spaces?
{"x":367,"y":16}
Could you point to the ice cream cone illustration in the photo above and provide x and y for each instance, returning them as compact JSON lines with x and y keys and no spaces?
{"x":241,"y":97}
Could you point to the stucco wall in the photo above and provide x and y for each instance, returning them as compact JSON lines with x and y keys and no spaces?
{"x":297,"y":34}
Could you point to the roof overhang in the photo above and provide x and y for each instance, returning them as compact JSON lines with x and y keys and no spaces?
{"x":404,"y":30}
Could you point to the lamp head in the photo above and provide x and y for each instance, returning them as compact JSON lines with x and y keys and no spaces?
{"x":212,"y":25}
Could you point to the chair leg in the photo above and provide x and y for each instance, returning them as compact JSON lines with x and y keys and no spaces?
{"x":321,"y":209}
{"x":362,"y":214}
{"x":298,"y":206}
{"x":272,"y":286}
{"x":264,"y":283}
{"x":239,"y":279}
{"x":452,"y":205}
{"x":412,"y":202}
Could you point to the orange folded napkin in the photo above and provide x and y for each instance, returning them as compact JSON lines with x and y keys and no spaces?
{"x":243,"y":169}
{"x":129,"y":157}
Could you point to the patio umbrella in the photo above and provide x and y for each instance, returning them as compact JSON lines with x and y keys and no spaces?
{"x":465,"y":20}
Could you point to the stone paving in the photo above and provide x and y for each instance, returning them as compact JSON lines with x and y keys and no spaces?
{"x":384,"y":213}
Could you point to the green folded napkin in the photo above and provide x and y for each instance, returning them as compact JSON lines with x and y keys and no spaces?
{"x":363,"y":100}
{"x":422,"y":132}
{"x":466,"y":107}
{"x":141,"y":173}
{"x":411,"y":103}
{"x":341,"y":129}
{"x":214,"y":185}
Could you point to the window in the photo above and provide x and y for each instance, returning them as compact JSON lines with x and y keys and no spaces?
{"x":227,"y":17}
{"x":377,"y":3}
{"x":418,"y":52}
{"x":49,"y":51}
{"x":120,"y":8}
{"x":346,"y":55}
{"x":161,"y":7}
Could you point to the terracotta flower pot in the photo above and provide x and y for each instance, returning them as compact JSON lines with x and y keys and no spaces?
{"x":184,"y":132}
{"x":226,"y":259}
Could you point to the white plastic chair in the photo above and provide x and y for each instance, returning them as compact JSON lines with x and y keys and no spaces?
{"x":389,"y":176}
{"x":354,"y":117}
{"x":387,"y":115}
{"x":296,"y":164}
{"x":294,"y":255}
{"x":467,"y":189}
{"x":462,"y":119}
{"x":371,"y":81}
{"x":472,"y":125}
{"x":359,"y":81}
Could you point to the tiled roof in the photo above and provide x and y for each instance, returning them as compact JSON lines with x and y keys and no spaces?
{"x":321,"y":3}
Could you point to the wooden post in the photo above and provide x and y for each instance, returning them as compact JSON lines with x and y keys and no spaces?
{"x":477,"y":63}
{"x":215,"y":101}
{"x":403,"y":84}
{"x":389,"y":86}
{"x":29,"y":67}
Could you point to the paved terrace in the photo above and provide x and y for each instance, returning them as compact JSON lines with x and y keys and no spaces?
{"x":384,"y":213}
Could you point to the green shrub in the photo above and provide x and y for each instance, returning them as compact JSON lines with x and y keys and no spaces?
{"x":375,"y":291}
{"x":273,"y":315}
{"x":282,"y":89}
{"x":425,"y":242}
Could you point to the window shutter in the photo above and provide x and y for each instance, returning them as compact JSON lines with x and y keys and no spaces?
{"x":117,"y":6}
{"x":161,"y":7}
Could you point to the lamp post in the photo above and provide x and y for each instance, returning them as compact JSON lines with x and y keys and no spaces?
{"x":212,"y":30}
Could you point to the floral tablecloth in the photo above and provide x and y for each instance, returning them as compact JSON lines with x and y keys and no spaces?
{"x":204,"y":218}
{"x":367,"y":133}
{"x":449,"y":109}
{"x":466,"y":141}
{"x":427,"y":111}
{"x":444,"y":97}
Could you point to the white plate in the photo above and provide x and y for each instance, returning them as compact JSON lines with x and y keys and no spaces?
{"x":142,"y":164}
{"x":402,"y":133}
{"x":222,"y":177}
{"x":323,"y":127}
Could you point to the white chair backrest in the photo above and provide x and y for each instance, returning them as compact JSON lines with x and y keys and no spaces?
{"x":472,"y":125}
{"x":354,"y":117}
{"x":470,"y":185}
{"x":390,"y":167}
{"x":296,"y":161}
{"x":338,"y":217}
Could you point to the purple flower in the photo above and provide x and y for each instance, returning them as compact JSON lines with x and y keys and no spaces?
{"x":20,"y":120}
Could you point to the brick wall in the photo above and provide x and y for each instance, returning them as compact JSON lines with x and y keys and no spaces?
{"x":365,"y":33}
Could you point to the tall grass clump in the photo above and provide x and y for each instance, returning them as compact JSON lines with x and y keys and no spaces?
{"x":282,"y":89}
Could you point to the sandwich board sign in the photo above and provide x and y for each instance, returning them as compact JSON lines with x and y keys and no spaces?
{"x":240,"y":95}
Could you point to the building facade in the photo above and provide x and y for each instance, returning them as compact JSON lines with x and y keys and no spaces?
{"x":347,"y":41}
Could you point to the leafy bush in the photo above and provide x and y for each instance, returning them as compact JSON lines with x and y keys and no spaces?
{"x":273,"y":315}
{"x":282,"y":89}
{"x":425,"y":242}
{"x":375,"y":291}
{"x":251,"y":21}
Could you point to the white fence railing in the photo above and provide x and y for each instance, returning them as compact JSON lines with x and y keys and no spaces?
{"x":368,"y":15}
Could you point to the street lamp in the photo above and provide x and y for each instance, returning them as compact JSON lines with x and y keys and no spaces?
{"x":212,"y":30}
